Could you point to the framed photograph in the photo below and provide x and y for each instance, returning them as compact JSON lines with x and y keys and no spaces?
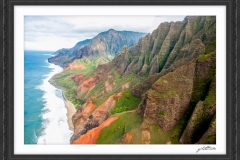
{"x":119,"y":79}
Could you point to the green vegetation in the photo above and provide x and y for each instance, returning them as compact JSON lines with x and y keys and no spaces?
{"x":126,"y":102}
{"x":202,"y":83}
{"x":203,"y":57}
{"x":127,"y":78}
{"x":176,"y":132}
{"x":211,"y":46}
{"x":116,"y":82}
{"x":198,"y":25}
{"x":211,"y":140}
{"x":161,"y":114}
{"x":158,"y":136}
{"x":92,"y":62}
{"x":63,"y":80}
{"x":147,"y":56}
{"x":113,"y":134}
{"x":166,"y":94}
{"x":211,"y":97}
{"x":67,"y":85}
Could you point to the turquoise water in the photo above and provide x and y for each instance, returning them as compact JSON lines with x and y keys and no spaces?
{"x":45,"y":120}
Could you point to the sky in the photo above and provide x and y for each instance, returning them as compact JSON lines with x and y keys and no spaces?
{"x":50,"y":33}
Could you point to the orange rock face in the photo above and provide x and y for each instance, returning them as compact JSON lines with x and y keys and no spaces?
{"x":108,"y":104}
{"x":145,"y":137}
{"x":81,"y":114}
{"x":84,"y":120}
{"x":76,"y":77}
{"x":72,"y":66}
{"x":127,"y":138}
{"x":89,"y":107}
{"x":86,"y":85}
{"x":91,"y":136}
{"x":108,"y":87}
{"x":125,"y":86}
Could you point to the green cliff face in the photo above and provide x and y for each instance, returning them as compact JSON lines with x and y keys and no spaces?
{"x":197,"y":36}
{"x":188,"y":94}
{"x":165,"y":84}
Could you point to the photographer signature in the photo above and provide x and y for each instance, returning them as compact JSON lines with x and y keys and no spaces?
{"x":206,"y":148}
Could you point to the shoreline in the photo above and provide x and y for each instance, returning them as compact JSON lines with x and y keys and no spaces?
{"x":71,"y":109}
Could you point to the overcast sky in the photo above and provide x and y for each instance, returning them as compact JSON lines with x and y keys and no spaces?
{"x":51,"y":33}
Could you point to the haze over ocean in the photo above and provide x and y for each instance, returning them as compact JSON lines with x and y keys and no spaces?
{"x":45,"y":120}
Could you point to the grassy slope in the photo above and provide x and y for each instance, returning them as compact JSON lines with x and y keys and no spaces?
{"x":127,"y":122}
{"x":125,"y":103}
{"x":63,"y":81}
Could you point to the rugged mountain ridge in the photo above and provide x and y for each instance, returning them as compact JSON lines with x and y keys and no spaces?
{"x":161,"y":90}
{"x":64,"y":56}
{"x":106,"y":44}
{"x":168,"y":43}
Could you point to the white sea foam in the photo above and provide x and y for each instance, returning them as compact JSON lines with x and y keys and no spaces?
{"x":56,"y":129}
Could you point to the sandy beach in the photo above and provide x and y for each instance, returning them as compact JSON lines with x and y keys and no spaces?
{"x":70,"y":111}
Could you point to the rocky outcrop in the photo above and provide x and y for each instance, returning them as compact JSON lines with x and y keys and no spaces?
{"x":86,"y":118}
{"x":189,"y":39}
{"x":127,"y":138}
{"x":80,"y":117}
{"x":201,"y":118}
{"x":91,"y":136}
{"x":104,"y":44}
{"x":169,"y":98}
{"x":74,"y":67}
{"x":190,"y":88}
{"x":77,"y":78}
{"x":209,"y":137}
{"x":87,"y":84}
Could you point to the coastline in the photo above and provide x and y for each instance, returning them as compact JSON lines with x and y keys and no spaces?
{"x":71,"y":109}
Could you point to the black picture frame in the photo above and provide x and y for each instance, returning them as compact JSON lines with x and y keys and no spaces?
{"x":7,"y":72}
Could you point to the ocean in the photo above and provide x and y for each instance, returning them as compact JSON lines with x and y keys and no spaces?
{"x":45,"y":119}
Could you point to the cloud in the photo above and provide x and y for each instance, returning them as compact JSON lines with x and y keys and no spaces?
{"x":55,"y":32}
